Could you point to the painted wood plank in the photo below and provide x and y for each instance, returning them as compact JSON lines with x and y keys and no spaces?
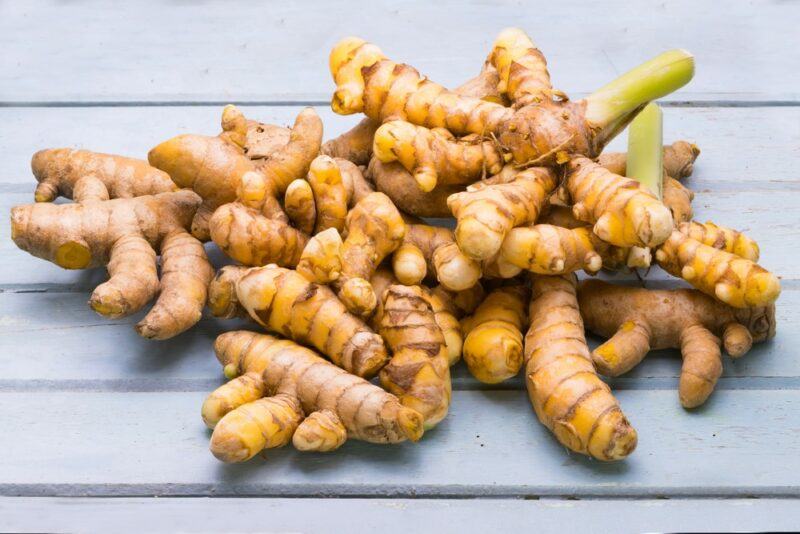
{"x":739,"y":145}
{"x":43,"y":347}
{"x":443,"y":516}
{"x":743,"y":443}
{"x":158,"y":51}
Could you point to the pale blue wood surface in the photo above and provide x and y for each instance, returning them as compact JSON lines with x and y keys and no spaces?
{"x":90,"y":410}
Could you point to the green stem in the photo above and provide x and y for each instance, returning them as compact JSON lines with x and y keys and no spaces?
{"x":612,"y":106}
{"x":645,"y":152}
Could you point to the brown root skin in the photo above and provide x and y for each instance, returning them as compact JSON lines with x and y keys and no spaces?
{"x":82,"y":175}
{"x":486,"y":215}
{"x":311,"y":402}
{"x":441,"y":303}
{"x":493,"y":343}
{"x":298,"y":202}
{"x":433,"y":156}
{"x":623,"y":212}
{"x":251,"y":238}
{"x":355,"y":144}
{"x":639,"y":320}
{"x":216,"y":167}
{"x":124,"y":235}
{"x":731,"y":279}
{"x":564,"y":389}
{"x":399,"y":185}
{"x":521,"y":67}
{"x":419,"y":371}
{"x":432,"y":251}
{"x":284,"y":302}
{"x":374,"y":230}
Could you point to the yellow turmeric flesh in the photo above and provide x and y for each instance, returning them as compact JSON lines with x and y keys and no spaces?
{"x":639,"y":320}
{"x":286,"y":393}
{"x":283,"y":301}
{"x":564,"y":389}
{"x":124,"y":235}
{"x":83,"y":175}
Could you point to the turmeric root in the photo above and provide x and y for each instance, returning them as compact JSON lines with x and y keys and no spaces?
{"x":419,"y":371}
{"x":124,"y":235}
{"x":433,"y":156}
{"x":623,"y":212}
{"x":215,"y":167}
{"x":432,"y":250}
{"x":493,"y":343}
{"x":284,"y":302}
{"x":678,"y":161}
{"x":535,"y":132}
{"x":564,"y":389}
{"x":722,"y":238}
{"x":399,"y":185}
{"x":355,"y":144}
{"x":82,"y":175}
{"x":552,"y":250}
{"x":734,"y":280}
{"x":639,"y":320}
{"x":486,"y":214}
{"x":374,"y":230}
{"x":309,"y":402}
{"x":298,"y":202}
{"x":444,"y":311}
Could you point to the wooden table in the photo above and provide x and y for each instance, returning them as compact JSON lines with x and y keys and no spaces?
{"x":96,"y":422}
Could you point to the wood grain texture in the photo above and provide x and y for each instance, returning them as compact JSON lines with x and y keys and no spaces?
{"x":741,"y":443}
{"x":237,"y":50}
{"x":444,"y":516}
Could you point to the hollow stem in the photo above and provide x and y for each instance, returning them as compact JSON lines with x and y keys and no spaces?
{"x":612,"y":106}
{"x":645,"y":152}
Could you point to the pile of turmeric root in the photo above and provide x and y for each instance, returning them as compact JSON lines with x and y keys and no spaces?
{"x":333,"y":260}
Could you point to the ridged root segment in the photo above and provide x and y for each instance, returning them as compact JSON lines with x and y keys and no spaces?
{"x":185,"y":275}
{"x":678,"y":198}
{"x":486,"y":215}
{"x":637,"y":320}
{"x":375,"y":229}
{"x":122,"y":234}
{"x":546,"y":249}
{"x":285,"y":302}
{"x":435,"y":156}
{"x":249,"y":237}
{"x":493,"y":344}
{"x":566,"y":393}
{"x":419,"y":371}
{"x":722,"y":238}
{"x":733,"y":280}
{"x":330,"y":194}
{"x":384,"y":90}
{"x":81,"y":175}
{"x":521,"y":67}
{"x":241,"y":390}
{"x":622,"y":211}
{"x":338,"y":404}
{"x":432,"y":251}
